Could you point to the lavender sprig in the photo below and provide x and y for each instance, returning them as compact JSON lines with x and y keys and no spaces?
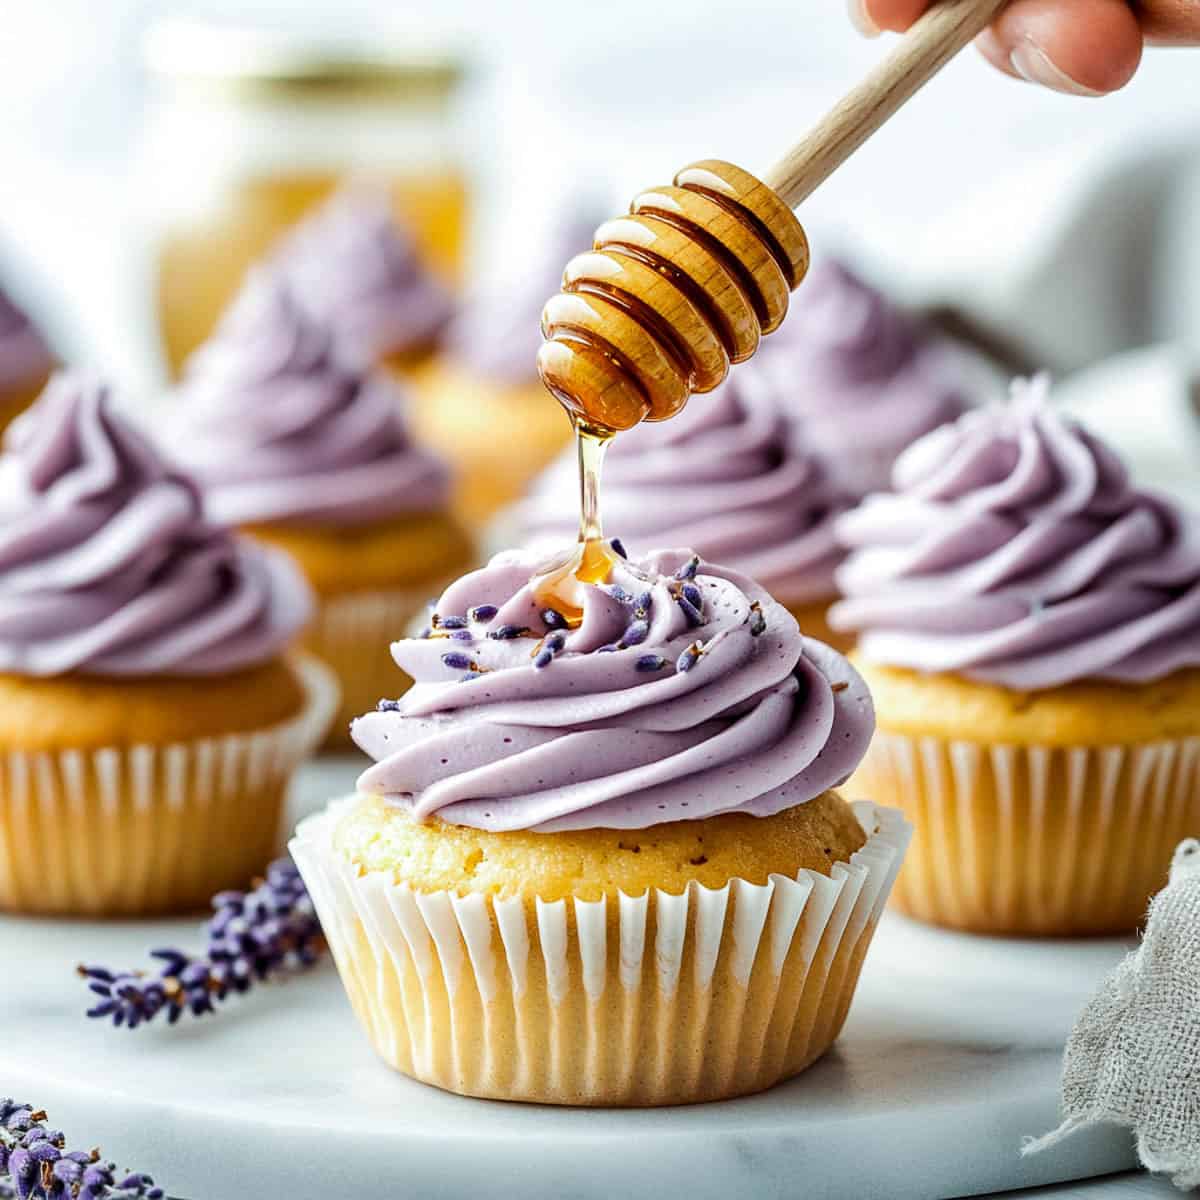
{"x":36,"y":1165}
{"x":250,"y":938}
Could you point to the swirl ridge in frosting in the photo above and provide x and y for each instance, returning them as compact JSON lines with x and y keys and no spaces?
{"x":1017,"y":551}
{"x":279,"y":427}
{"x":730,"y":475}
{"x":358,"y":271}
{"x":862,"y":375}
{"x":107,"y":563}
{"x":685,"y":692}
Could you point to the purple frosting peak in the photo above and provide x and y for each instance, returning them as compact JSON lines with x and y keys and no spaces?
{"x":729,"y":475}
{"x":1017,"y":551}
{"x":685,"y":692}
{"x":865,"y":379}
{"x":279,"y":428}
{"x":356,"y":270}
{"x":24,"y":355}
{"x":107,"y":565}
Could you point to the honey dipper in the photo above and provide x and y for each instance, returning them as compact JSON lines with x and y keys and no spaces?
{"x":690,"y":280}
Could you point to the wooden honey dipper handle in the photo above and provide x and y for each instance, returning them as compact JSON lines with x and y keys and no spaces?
{"x":932,"y":41}
{"x":698,"y":271}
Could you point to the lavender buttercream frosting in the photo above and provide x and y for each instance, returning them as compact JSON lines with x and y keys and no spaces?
{"x":1017,"y":551}
{"x":24,"y":355}
{"x":862,"y":376}
{"x":685,"y":692}
{"x":358,"y":271}
{"x":729,"y":475}
{"x":280,"y":428}
{"x":107,"y":564}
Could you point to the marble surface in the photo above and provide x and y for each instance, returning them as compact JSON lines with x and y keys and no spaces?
{"x":950,"y":1056}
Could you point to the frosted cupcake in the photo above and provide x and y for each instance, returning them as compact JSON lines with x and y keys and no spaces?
{"x":358,"y":272}
{"x":1029,"y":623}
{"x":729,"y":475}
{"x":312,"y":455}
{"x":606,"y":865}
{"x":480,"y":401}
{"x":25,"y":361}
{"x":149,"y":718}
{"x":863,"y":376}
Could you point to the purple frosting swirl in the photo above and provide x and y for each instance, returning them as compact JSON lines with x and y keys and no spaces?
{"x":1018,"y":552}
{"x":729,"y":475}
{"x":862,"y":376}
{"x":279,"y":428}
{"x":356,"y":270}
{"x":685,"y":692}
{"x":107,"y":565}
{"x":24,"y":356}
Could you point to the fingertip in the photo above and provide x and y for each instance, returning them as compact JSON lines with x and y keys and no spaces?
{"x":895,"y":16}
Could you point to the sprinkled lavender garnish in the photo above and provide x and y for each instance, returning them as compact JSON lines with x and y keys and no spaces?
{"x":482,"y":613}
{"x":689,"y":568}
{"x":549,"y":648}
{"x":388,"y":706}
{"x":458,"y":661}
{"x":643,"y":604}
{"x":650,"y":662}
{"x":451,"y":622}
{"x":556,"y":641}
{"x":608,"y":649}
{"x":618,"y":593}
{"x":507,"y":632}
{"x":618,"y":547}
{"x":758,"y":623}
{"x":251,"y":937}
{"x":692,"y":594}
{"x":689,"y":658}
{"x":36,"y":1165}
{"x":636,"y":634}
{"x":553,"y":619}
{"x":462,"y":635}
{"x":427,"y":632}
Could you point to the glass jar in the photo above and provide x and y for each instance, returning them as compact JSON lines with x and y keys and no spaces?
{"x":251,"y":129}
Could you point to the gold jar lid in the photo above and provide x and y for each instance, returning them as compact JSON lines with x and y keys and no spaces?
{"x":254,"y":63}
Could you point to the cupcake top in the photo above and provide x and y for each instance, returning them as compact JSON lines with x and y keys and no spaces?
{"x":107,"y":565}
{"x":685,"y":692}
{"x":356,"y":270}
{"x":863,"y":376}
{"x":729,"y":475}
{"x":24,"y":355}
{"x":279,"y":428}
{"x":1017,"y":551}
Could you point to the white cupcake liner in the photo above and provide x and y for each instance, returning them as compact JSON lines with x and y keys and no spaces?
{"x":651,"y":999}
{"x":351,"y":633}
{"x":135,"y":829}
{"x":1035,"y":839}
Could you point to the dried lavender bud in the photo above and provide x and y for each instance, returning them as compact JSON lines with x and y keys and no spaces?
{"x":650,"y":662}
{"x":758,"y":623}
{"x":636,"y":634}
{"x":693,"y":614}
{"x":689,"y":568}
{"x":388,"y":706}
{"x":553,"y":619}
{"x":543,"y":658}
{"x":692,"y":594}
{"x":453,"y":622}
{"x":618,"y":593}
{"x":462,"y":635}
{"x":470,"y":677}
{"x":556,"y":641}
{"x":507,"y":632}
{"x":482,"y":613}
{"x":643,"y":604}
{"x":251,"y":937}
{"x":35,"y":1164}
{"x":427,"y":632}
{"x":689,"y":658}
{"x":457,"y":661}
{"x":618,"y":547}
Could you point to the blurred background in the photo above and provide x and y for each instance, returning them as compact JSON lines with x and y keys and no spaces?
{"x":153,"y":148}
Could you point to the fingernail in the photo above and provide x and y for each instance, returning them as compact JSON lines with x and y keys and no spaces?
{"x":1033,"y":65}
{"x":861,"y":19}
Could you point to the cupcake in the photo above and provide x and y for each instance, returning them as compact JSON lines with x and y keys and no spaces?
{"x":312,"y":455}
{"x":864,"y":378}
{"x":358,"y":272}
{"x":480,"y":401}
{"x":730,"y":475}
{"x":606,"y":865}
{"x":25,"y":361}
{"x":149,"y":716}
{"x":1029,"y":624}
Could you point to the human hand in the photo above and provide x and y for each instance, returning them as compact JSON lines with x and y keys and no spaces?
{"x":1083,"y":47}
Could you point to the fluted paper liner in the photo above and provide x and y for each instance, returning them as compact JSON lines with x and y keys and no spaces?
{"x":350,"y":633}
{"x":133,"y":830}
{"x":629,"y":1000}
{"x":1035,"y":839}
